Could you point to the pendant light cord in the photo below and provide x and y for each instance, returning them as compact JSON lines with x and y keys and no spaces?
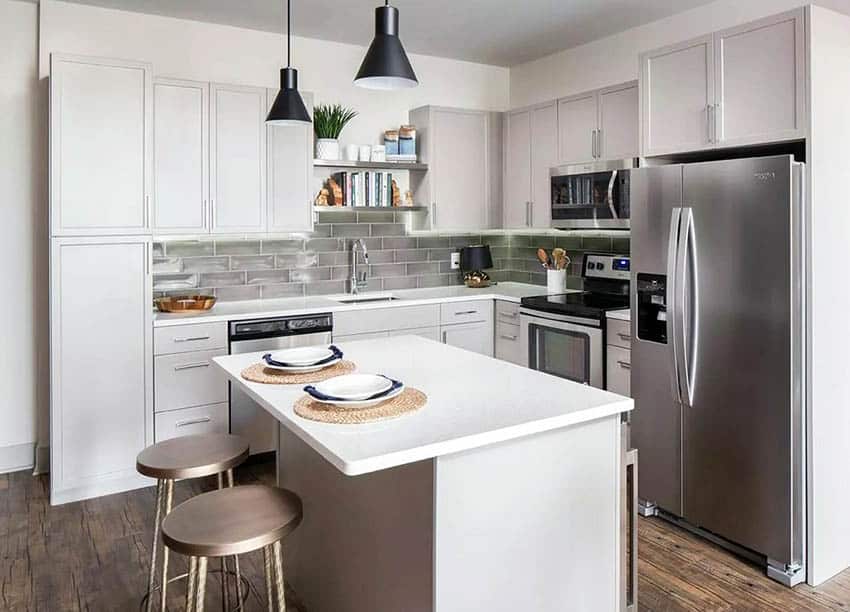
{"x":288,"y":32}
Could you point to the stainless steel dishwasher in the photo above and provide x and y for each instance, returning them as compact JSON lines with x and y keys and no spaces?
{"x":247,"y":419}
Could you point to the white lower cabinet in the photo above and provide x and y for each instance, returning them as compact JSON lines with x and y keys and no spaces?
{"x":618,"y":357}
{"x":192,"y":421}
{"x":101,"y":364}
{"x":475,"y":337}
{"x":188,"y":379}
{"x":431,"y":333}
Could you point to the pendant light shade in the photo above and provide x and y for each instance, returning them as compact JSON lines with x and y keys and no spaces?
{"x":386,"y":65}
{"x":288,"y":107}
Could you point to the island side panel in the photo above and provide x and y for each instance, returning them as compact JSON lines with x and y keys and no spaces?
{"x":531,"y":524}
{"x":366,"y":542}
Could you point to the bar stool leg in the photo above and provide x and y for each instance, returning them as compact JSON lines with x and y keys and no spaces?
{"x":155,"y":544}
{"x":225,"y":578}
{"x":267,"y":555}
{"x":202,"y":584}
{"x":169,"y":494}
{"x":236,"y":557}
{"x":191,"y":584}
{"x":278,"y":576}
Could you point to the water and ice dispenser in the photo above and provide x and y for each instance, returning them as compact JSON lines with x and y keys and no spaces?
{"x":652,"y":307}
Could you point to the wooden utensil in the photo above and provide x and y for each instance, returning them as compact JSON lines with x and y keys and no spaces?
{"x":559,"y":255}
{"x":543,"y":258}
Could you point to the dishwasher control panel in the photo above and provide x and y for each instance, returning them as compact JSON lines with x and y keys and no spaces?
{"x":282,"y":326}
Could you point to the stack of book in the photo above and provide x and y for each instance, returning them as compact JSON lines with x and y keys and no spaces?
{"x":365,"y":188}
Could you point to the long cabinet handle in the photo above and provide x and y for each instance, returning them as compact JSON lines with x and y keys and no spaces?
{"x":147,"y":212}
{"x":192,"y":339}
{"x":197,"y":421}
{"x":507,"y":337}
{"x":512,"y":315}
{"x":465,"y":312}
{"x":599,"y":144}
{"x":593,"y":143}
{"x":624,"y":364}
{"x":192,"y":366}
{"x":624,"y":337}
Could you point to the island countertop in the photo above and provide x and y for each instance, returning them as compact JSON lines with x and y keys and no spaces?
{"x":473,"y":401}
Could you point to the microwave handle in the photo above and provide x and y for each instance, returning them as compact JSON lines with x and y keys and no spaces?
{"x":611,"y":184}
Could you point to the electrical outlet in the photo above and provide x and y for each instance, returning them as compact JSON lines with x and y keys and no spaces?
{"x":456,"y":260}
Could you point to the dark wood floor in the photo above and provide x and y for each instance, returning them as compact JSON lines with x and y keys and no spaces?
{"x":93,"y":555}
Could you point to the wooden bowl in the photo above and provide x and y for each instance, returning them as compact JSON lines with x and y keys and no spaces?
{"x":185,"y":303}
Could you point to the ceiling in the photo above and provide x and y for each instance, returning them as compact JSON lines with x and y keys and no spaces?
{"x":498,"y":32}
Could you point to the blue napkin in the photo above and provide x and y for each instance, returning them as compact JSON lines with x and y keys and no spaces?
{"x":337,"y":354}
{"x":313,"y":392}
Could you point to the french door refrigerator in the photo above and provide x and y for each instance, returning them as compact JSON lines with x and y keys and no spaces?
{"x":718,"y":370}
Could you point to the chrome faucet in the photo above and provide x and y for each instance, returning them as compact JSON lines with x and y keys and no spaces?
{"x":359,"y":280}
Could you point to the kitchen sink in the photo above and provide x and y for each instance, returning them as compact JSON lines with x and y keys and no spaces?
{"x":366,"y":299}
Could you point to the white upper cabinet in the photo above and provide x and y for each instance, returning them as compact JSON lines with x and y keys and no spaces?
{"x":181,"y":156}
{"x":741,"y":86}
{"x":100,"y":146}
{"x":237,"y":158}
{"x":677,"y":89}
{"x":290,"y":173}
{"x":544,"y":156}
{"x":760,"y":81}
{"x":577,"y":124}
{"x":517,"y":184}
{"x":618,"y":122}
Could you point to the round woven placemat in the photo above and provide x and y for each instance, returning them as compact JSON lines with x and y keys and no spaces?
{"x":407,"y":401}
{"x":261,"y":374}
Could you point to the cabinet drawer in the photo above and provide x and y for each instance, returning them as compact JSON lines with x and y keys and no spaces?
{"x":507,"y":312}
{"x":466,"y":312}
{"x":508,"y":345}
{"x":185,"y":338}
{"x":371,"y":320}
{"x":620,"y":333}
{"x":188,"y":379}
{"x":191,"y":421}
{"x":619,"y":368}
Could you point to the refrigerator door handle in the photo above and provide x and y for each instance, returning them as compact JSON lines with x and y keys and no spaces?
{"x":672,"y":309}
{"x":687,"y":312}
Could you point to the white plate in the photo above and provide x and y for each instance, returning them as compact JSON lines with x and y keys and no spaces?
{"x":302,"y":356}
{"x":354,"y":387}
{"x":356,"y":404}
{"x":302,"y":369}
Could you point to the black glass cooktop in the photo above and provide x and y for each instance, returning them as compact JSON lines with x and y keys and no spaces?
{"x":584,"y":304}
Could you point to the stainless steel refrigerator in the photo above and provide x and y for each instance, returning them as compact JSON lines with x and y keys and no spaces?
{"x":718,"y":354}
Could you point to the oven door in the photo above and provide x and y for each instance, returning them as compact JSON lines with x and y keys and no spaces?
{"x":566,"y":347}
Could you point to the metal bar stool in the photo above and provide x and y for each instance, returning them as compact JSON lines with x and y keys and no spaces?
{"x":188,"y":457}
{"x":232,"y":522}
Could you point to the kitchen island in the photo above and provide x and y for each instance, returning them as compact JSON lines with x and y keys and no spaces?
{"x":503,"y":493}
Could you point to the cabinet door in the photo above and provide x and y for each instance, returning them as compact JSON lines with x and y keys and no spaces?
{"x":475,"y":337}
{"x":544,"y":156}
{"x":760,"y":77}
{"x":100,"y":146}
{"x":101,"y":345}
{"x":181,"y":156}
{"x":677,"y":88}
{"x":431,"y":333}
{"x":237,"y":158}
{"x":517,"y":183}
{"x":619,"y":118}
{"x":460,"y":171}
{"x":619,"y":368}
{"x":577,"y":120}
{"x":290,"y":173}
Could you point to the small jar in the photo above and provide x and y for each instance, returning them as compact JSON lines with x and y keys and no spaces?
{"x":407,"y":140}
{"x":391,"y":142}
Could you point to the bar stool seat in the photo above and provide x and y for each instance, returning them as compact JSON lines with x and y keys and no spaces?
{"x":192,"y":456}
{"x":231,"y":522}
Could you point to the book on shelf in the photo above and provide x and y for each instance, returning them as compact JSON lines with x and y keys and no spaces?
{"x":365,"y":188}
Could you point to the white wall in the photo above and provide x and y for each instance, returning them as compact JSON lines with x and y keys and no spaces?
{"x":614,"y":59}
{"x":23,"y":232}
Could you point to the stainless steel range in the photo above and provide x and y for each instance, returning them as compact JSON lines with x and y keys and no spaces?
{"x":565,"y":333}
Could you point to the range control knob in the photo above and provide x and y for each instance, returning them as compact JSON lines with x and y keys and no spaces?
{"x":600,"y":266}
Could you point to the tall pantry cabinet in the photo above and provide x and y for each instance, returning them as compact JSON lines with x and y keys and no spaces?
{"x":101,"y":363}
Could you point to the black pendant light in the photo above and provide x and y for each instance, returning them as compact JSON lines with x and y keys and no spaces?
{"x":386,"y":65}
{"x":288,"y":107}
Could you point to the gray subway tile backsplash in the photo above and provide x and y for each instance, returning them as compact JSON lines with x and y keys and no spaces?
{"x":319,"y":263}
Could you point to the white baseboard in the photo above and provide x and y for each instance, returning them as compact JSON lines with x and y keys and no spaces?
{"x":42,"y":460}
{"x":17,"y":457}
{"x":99,"y":488}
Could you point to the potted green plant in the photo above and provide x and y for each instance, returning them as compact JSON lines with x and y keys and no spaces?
{"x":328,"y":121}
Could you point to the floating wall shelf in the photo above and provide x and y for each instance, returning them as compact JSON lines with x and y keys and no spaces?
{"x":363,"y":165}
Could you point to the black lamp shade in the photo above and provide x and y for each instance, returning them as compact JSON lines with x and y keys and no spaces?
{"x":475,"y":258}
{"x":386,"y":65}
{"x":288,"y":107}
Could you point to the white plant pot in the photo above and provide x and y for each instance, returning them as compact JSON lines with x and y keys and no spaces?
{"x":327,"y":148}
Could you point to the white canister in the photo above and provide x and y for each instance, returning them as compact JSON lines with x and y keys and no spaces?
{"x":365,"y":152}
{"x":379,"y":153}
{"x":352,"y":152}
{"x":556,"y":281}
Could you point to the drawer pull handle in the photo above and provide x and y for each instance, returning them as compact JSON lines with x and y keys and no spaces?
{"x":466,"y":312}
{"x":197,"y":421}
{"x":506,"y":337}
{"x":191,"y":366}
{"x":512,"y":315}
{"x":195,"y":339}
{"x":625,"y":337}
{"x":624,"y":364}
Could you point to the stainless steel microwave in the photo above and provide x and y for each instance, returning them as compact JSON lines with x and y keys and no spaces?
{"x":593,"y":195}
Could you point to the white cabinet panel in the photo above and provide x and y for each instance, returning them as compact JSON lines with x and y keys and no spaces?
{"x":193,"y":422}
{"x":618,"y":123}
{"x":237,"y":158}
{"x":577,"y":121}
{"x":184,"y":380}
{"x":544,"y":156}
{"x":100,"y":149}
{"x":760,"y":76}
{"x":466,"y":312}
{"x":184,"y":338}
{"x":181,"y":156}
{"x":677,"y":90}
{"x":369,"y":320}
{"x":619,"y":370}
{"x":509,"y":345}
{"x":290,"y":173}
{"x":101,"y":403}
{"x":517,"y":183}
{"x":476,"y":337}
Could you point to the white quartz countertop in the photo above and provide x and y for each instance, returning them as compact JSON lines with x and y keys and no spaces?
{"x":249,"y":309}
{"x":620,"y":315}
{"x":473,"y":401}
